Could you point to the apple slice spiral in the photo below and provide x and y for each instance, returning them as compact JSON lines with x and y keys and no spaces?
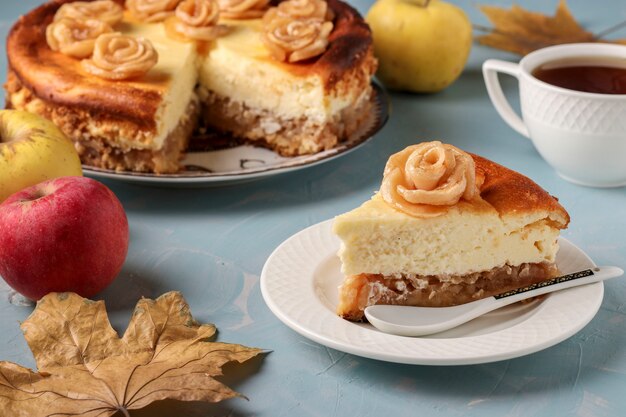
{"x":119,"y":57}
{"x":197,"y":19}
{"x":423,"y":180}
{"x":295,"y":40}
{"x":74,"y":37}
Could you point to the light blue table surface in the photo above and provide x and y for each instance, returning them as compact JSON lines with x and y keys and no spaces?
{"x":211,"y":244}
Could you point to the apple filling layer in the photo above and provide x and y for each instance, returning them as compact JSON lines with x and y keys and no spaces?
{"x":287,"y":136}
{"x":360,"y":291}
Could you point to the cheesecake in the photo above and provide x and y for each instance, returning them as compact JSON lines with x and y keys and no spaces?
{"x":223,"y":77}
{"x":446,"y":228}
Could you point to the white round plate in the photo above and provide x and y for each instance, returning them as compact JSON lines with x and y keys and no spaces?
{"x":299,"y":284}
{"x":245,"y":162}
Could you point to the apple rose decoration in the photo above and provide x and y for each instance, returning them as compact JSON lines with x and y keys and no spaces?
{"x":105,"y":10}
{"x":119,"y":57}
{"x":295,"y":40}
{"x":152,"y":10}
{"x":243,"y":9}
{"x":304,"y":9}
{"x":197,"y":19}
{"x":423,"y":180}
{"x":74,"y":37}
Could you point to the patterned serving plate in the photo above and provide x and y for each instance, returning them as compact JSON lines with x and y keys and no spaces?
{"x":299,"y":284}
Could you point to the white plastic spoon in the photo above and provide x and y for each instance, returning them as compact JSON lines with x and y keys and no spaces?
{"x":421,"y":321}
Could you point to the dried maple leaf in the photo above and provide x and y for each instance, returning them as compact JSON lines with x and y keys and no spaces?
{"x":86,"y":369}
{"x":521,"y":31}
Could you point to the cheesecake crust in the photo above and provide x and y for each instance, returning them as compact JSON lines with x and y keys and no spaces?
{"x":99,"y":154}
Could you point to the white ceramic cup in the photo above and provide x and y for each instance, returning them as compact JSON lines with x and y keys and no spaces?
{"x":581,"y":135}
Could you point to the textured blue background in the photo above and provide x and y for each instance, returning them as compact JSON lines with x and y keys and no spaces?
{"x":211,"y":245}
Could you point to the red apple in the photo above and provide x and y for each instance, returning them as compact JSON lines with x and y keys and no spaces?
{"x":65,"y":234}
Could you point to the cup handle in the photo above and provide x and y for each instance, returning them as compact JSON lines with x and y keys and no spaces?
{"x":491,"y":67}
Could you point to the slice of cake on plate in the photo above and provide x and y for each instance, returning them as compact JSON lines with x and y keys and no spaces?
{"x":129,"y":81}
{"x":446,"y":228}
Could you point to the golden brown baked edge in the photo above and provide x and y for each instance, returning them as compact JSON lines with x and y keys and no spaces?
{"x":59,"y":79}
{"x":510,"y":192}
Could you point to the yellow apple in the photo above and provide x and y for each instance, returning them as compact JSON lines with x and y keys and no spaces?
{"x":32,"y":150}
{"x":421,"y":45}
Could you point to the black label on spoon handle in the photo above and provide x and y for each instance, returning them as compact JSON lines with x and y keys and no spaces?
{"x":553,"y":281}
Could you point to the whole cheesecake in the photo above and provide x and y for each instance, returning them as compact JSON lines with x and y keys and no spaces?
{"x":446,"y":228}
{"x":232,"y":84}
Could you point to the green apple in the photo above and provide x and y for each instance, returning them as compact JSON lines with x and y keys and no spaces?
{"x":32,"y":150}
{"x":421,"y":45}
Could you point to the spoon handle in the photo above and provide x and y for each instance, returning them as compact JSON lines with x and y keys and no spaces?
{"x":420,"y":321}
{"x":574,"y":279}
{"x":587,"y":276}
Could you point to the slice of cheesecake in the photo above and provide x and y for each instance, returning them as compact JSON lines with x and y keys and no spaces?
{"x":436,"y":254}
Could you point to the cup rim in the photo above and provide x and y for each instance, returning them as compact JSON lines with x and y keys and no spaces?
{"x":525,"y":72}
